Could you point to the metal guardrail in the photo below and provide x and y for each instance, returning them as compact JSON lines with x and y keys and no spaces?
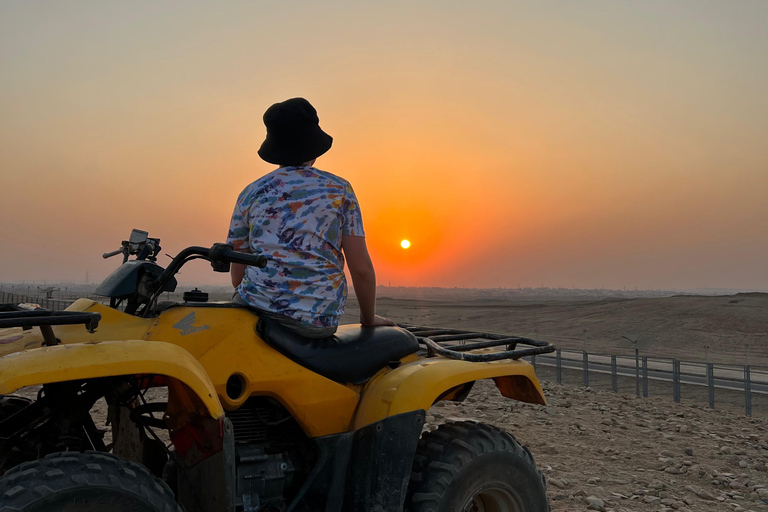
{"x":22,"y":298}
{"x":749,"y":379}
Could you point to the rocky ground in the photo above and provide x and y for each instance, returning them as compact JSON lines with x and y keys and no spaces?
{"x":613,"y":452}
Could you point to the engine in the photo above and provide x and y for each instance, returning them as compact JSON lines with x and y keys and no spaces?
{"x":272,"y":455}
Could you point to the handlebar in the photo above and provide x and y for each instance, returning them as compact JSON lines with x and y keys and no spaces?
{"x":225,"y":253}
{"x":113,"y":253}
{"x":220,"y":256}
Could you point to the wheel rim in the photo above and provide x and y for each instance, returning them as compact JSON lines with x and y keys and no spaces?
{"x":493,"y":499}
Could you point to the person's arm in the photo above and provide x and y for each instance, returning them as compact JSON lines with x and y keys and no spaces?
{"x":239,"y":238}
{"x":363,"y":279}
{"x":237,"y":272}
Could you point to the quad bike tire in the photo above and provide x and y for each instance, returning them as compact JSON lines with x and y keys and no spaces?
{"x":473,"y":467}
{"x":84,"y":482}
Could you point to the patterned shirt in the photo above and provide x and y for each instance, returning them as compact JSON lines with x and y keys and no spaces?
{"x":296,"y":217}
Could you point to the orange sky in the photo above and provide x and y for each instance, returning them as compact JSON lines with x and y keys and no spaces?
{"x":589,"y":144}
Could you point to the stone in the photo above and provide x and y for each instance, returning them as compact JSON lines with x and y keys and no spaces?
{"x":594,"y":503}
{"x":557,"y":483}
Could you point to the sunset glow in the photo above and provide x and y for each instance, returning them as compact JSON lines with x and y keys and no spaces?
{"x":600,"y":144}
{"x":405,"y":244}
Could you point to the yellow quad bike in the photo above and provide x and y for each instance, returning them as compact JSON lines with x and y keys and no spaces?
{"x":251,"y":416}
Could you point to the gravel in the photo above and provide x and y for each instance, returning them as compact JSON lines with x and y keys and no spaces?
{"x":612,"y":452}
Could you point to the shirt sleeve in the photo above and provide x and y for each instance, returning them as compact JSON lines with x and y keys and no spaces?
{"x":353,"y":218}
{"x":238,"y":228}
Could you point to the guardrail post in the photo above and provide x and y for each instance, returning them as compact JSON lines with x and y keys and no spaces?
{"x":645,"y":376}
{"x":614,"y":379}
{"x":711,"y":384}
{"x":559,"y":364}
{"x":533,"y":361}
{"x":585,"y":371}
{"x":676,"y":380}
{"x":747,"y":391}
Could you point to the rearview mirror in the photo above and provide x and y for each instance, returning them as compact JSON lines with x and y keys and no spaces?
{"x":138,"y":236}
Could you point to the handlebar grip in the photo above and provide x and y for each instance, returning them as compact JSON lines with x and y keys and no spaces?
{"x":110,"y":254}
{"x":226,"y":253}
{"x":252,"y":260}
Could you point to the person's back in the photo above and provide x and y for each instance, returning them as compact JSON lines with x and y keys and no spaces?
{"x":305,"y":221}
{"x":297,"y":215}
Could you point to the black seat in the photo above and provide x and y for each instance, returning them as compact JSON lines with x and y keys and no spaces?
{"x":352,"y":355}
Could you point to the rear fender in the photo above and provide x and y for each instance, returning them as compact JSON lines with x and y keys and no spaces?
{"x":419,"y":384}
{"x":79,"y":361}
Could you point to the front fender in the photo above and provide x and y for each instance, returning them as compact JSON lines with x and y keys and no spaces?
{"x":417,"y":385}
{"x":78,"y":361}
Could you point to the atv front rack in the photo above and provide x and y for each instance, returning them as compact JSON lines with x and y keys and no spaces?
{"x":455,"y":344}
{"x":11,"y":315}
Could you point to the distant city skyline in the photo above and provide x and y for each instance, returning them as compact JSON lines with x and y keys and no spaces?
{"x":588,"y":144}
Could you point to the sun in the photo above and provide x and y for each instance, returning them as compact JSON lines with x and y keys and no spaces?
{"x":405,"y":244}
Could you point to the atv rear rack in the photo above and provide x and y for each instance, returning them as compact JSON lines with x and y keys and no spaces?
{"x":11,"y":315}
{"x":455,"y":344}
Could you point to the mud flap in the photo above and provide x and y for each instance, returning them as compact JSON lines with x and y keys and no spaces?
{"x":381,"y":462}
{"x":209,"y":485}
{"x":363,"y":471}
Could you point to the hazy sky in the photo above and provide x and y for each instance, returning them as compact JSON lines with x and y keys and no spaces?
{"x":587,"y":144}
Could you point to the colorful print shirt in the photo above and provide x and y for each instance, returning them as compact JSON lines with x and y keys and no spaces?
{"x":296,"y":216}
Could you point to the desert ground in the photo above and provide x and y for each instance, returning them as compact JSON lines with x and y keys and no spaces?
{"x":603,"y":451}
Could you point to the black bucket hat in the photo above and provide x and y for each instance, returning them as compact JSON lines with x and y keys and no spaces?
{"x":293,"y":133}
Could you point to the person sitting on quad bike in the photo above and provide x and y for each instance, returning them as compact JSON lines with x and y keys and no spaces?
{"x":305,"y":221}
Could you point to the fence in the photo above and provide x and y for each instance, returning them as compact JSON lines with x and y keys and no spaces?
{"x":696,"y":377}
{"x":57,"y":304}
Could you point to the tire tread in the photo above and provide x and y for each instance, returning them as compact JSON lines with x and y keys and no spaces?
{"x":443,"y":453}
{"x":24,"y":485}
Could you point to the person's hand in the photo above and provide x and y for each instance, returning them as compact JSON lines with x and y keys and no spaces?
{"x":377,"y":320}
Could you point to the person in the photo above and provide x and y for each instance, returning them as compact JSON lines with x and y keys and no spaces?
{"x":306,"y":221}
